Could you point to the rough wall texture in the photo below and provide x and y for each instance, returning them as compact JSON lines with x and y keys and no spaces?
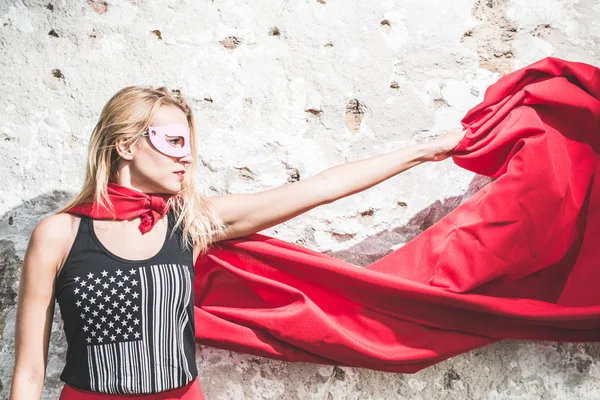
{"x":282,"y":90}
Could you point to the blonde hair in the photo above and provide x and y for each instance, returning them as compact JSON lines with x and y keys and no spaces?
{"x":126,"y":116}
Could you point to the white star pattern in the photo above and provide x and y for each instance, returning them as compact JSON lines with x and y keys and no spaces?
{"x":97,"y":304}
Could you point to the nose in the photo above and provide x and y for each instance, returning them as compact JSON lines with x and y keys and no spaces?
{"x":187,"y":159}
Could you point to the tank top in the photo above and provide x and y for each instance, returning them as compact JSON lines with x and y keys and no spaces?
{"x":129,"y":324}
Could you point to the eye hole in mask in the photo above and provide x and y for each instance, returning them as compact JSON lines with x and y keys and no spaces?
{"x":175,"y":141}
{"x":172,"y":140}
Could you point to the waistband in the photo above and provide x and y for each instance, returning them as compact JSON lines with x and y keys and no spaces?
{"x":191,"y":391}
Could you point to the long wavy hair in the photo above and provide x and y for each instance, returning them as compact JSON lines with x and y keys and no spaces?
{"x":127,"y":116}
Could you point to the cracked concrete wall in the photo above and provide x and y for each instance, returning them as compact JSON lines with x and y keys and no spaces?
{"x":282,"y":90}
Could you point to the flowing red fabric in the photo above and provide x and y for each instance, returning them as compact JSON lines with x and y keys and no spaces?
{"x":520,"y":259}
{"x":128,"y":203}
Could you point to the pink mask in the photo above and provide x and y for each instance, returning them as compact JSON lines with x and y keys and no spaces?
{"x":172,"y":140}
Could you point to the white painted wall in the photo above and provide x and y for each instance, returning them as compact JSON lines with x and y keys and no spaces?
{"x":414,"y":76}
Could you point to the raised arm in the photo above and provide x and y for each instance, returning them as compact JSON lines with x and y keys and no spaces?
{"x":35,"y":306}
{"x":253,"y":212}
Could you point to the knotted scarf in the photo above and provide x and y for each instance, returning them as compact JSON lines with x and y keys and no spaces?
{"x":128,"y":203}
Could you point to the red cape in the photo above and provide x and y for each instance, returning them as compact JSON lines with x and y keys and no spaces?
{"x":520,"y":259}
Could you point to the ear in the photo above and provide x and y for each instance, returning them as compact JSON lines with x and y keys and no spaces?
{"x":125,"y":151}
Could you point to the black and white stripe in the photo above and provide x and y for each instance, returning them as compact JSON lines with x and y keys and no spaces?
{"x":171,"y":294}
{"x":125,"y":365}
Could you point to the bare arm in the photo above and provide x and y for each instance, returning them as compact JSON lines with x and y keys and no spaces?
{"x":35,"y":306}
{"x":253,"y":212}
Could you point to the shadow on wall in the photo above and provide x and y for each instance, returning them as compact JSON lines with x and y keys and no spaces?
{"x":17,"y":224}
{"x":15,"y":230}
{"x":379,"y":245}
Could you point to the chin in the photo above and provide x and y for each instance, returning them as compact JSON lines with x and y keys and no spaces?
{"x":175,"y":188}
{"x":168,"y":187}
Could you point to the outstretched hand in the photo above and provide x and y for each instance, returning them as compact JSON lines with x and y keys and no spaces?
{"x":441,"y":147}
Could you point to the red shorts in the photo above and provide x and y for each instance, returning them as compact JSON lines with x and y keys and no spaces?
{"x":191,"y":391}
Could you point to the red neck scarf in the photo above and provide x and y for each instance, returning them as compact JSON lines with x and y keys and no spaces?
{"x":128,"y":203}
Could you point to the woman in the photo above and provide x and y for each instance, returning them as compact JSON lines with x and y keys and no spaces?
{"x":119,"y":257}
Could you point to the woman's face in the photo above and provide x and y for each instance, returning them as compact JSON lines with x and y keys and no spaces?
{"x":152,"y":171}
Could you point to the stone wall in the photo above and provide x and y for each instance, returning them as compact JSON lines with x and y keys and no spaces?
{"x":282,"y":90}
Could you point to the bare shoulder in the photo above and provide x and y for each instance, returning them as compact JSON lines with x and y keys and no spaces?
{"x":227,"y":205}
{"x":57,"y":227}
{"x":54,"y":235}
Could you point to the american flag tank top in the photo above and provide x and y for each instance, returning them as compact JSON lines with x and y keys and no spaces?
{"x":129,"y":324}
